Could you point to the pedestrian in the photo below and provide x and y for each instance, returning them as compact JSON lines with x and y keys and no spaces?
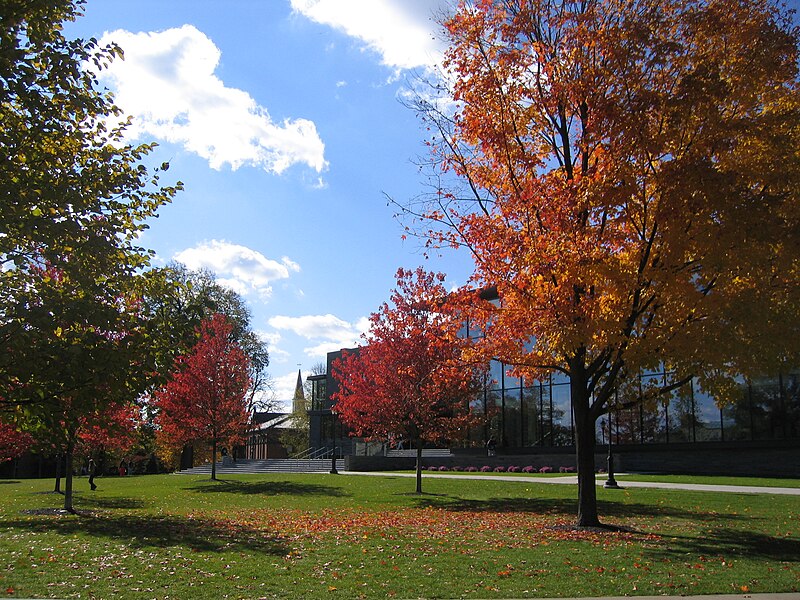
{"x":491,"y":447}
{"x":92,"y":470}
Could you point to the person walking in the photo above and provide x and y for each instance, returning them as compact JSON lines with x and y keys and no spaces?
{"x":491,"y":447}
{"x":92,"y":471}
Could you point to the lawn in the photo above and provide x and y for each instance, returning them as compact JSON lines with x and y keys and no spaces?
{"x":296,"y":536}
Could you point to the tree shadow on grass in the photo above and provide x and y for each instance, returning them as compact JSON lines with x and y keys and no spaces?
{"x":267,"y":488}
{"x":729,"y":543}
{"x":8,"y":481}
{"x":561,"y":506}
{"x":92,"y":501}
{"x":160,"y":531}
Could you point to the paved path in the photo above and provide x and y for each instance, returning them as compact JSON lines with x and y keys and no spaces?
{"x":601,"y":479}
{"x":778,"y":596}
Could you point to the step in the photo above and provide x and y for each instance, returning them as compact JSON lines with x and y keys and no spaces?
{"x":273,"y":465}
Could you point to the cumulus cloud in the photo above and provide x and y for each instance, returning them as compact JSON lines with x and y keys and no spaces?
{"x":403,"y":32}
{"x":238,"y":267}
{"x":328,"y":332}
{"x":167,"y":82}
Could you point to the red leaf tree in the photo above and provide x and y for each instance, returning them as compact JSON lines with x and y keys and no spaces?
{"x":410,"y":381}
{"x":113,"y":430}
{"x":13,"y":443}
{"x":206,"y":399}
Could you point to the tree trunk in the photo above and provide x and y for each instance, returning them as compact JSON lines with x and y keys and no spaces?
{"x":584,"y":454}
{"x":214,"y":460}
{"x":57,"y":488}
{"x":419,"y":466}
{"x":68,"y":482}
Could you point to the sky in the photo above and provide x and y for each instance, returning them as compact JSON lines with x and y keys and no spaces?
{"x":284,"y":121}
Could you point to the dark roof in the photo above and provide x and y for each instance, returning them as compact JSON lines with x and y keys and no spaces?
{"x":263,"y":417}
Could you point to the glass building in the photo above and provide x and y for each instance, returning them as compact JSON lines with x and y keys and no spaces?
{"x":532,"y":415}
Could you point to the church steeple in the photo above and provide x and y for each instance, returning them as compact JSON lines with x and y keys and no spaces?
{"x":299,"y":401}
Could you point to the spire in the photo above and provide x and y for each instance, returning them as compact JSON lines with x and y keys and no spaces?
{"x":299,"y":401}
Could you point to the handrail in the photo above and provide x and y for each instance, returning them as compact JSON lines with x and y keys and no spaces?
{"x":312,"y":453}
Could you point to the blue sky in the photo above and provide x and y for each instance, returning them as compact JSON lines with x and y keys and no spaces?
{"x":283,"y":120}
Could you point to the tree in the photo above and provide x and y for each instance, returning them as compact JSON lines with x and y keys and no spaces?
{"x":410,"y":380}
{"x":176,"y":300}
{"x":13,"y":443}
{"x":631,"y":191}
{"x":79,"y":351}
{"x":206,"y":399}
{"x":74,"y":198}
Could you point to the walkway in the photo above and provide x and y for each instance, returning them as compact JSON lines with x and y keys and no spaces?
{"x":777,"y":596}
{"x":601,"y":479}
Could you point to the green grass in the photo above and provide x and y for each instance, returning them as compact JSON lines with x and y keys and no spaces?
{"x":300,"y":536}
{"x":705,"y":480}
{"x":701,"y":479}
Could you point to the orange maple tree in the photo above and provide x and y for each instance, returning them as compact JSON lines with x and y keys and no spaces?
{"x":206,"y":398}
{"x":410,"y":381}
{"x":632,"y":180}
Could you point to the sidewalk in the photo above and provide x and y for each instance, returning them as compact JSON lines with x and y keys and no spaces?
{"x":601,"y":479}
{"x":777,"y":596}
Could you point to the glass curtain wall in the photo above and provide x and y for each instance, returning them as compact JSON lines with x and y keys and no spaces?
{"x":528,"y":414}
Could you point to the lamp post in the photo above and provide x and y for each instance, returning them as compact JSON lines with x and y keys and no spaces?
{"x":333,"y":433}
{"x":610,"y":482}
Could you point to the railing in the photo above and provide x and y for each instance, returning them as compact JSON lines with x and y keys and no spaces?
{"x":316,"y":453}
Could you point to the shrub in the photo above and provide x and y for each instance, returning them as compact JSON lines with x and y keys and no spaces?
{"x":546,"y":470}
{"x":486,"y":469}
{"x":514,"y":469}
{"x":458,"y":468}
{"x":444,"y":468}
{"x":530,"y":469}
{"x":432,"y":468}
{"x":500,"y":469}
{"x":471,"y":469}
{"x":566,"y":469}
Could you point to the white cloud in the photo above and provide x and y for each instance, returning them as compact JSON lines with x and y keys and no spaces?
{"x":237,"y":267}
{"x":403,"y":32}
{"x":167,"y":83}
{"x":328,"y":332}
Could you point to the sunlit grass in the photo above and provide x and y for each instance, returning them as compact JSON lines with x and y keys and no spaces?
{"x":300,"y":536}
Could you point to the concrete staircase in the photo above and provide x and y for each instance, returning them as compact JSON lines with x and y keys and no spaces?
{"x":273,"y":465}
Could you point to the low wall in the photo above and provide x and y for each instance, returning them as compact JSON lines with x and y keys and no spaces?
{"x":779,"y":458}
{"x":773,"y":459}
{"x":383,"y":463}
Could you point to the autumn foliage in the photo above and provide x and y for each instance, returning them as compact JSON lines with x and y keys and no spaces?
{"x":206,"y":398}
{"x":113,"y":430}
{"x":410,"y":382}
{"x":13,"y":443}
{"x":630,"y":186}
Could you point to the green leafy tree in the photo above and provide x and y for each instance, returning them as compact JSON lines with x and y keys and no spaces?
{"x":177,"y":299}
{"x":74,"y":197}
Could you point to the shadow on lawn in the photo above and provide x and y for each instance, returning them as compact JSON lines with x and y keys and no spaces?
{"x":716,"y":534}
{"x":565,"y":506}
{"x":728,"y":543}
{"x":161,"y":531}
{"x":93,"y":501}
{"x":268,"y":488}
